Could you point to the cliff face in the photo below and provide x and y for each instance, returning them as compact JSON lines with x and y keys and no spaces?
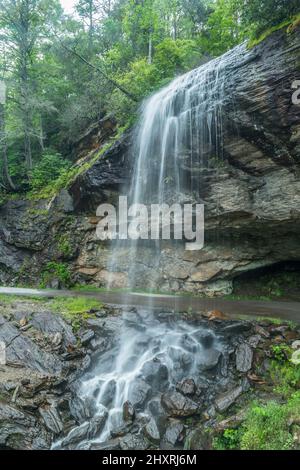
{"x":252,"y":199}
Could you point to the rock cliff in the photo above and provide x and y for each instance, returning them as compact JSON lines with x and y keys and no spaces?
{"x":252,"y":197}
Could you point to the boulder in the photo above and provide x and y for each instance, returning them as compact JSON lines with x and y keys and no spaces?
{"x":177,"y":405}
{"x":227,"y":399}
{"x":244,"y":357}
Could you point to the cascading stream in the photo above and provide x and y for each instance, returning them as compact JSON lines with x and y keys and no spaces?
{"x":179,"y":135}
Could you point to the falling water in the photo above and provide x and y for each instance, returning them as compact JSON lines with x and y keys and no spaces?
{"x":180,"y":135}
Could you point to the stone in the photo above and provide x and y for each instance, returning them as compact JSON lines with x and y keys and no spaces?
{"x":254,"y":341}
{"x":186,"y":387}
{"x":155,"y":374}
{"x":22,"y":350}
{"x":296,"y":345}
{"x":236,"y":328}
{"x":151,"y":431}
{"x":174,"y":432}
{"x":133,"y":442}
{"x":216,"y":315}
{"x":87,"y":430}
{"x":128,"y":411}
{"x":227,"y":399}
{"x":51,"y":419}
{"x":177,"y":405}
{"x":210,"y":359}
{"x":138,"y":393}
{"x":86,"y":337}
{"x":205,"y":338}
{"x":261,"y":331}
{"x":244,"y":357}
{"x":50,"y":324}
{"x":21,"y":431}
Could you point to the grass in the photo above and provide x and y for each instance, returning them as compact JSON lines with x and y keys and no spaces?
{"x":75,"y":309}
{"x":270,"y":425}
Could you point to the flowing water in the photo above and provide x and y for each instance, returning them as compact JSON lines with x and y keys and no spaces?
{"x":178,"y":139}
{"x":179,"y":136}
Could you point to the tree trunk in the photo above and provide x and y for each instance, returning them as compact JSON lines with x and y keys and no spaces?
{"x":150,"y":49}
{"x":7,"y":178}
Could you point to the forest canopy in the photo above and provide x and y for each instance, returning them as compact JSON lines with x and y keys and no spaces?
{"x":64,"y":72}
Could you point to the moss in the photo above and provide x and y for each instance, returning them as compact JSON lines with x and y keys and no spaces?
{"x":68,"y":177}
{"x":38,"y":212}
{"x":54,"y":270}
{"x":63,"y":245}
{"x":268,"y":426}
{"x":291,"y":24}
{"x":228,"y":440}
{"x":75,"y":309}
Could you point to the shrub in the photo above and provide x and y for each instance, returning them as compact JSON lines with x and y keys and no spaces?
{"x":56,"y":271}
{"x":50,"y":167}
{"x":268,"y":427}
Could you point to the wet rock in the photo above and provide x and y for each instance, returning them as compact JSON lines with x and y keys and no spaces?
{"x":210,"y":359}
{"x":134,"y":442}
{"x":128,"y":411}
{"x":51,"y":419}
{"x":178,"y":405}
{"x":236,"y":328}
{"x":86,"y":337}
{"x":113,"y":444}
{"x":50,"y":324}
{"x":244,"y":357}
{"x":206,"y":339}
{"x":139,"y":391}
{"x":174,"y":432}
{"x":227,"y":399}
{"x":186,"y":387}
{"x":21,"y":431}
{"x":87,"y":430}
{"x":151,"y":431}
{"x":155,"y":373}
{"x":189,"y":343}
{"x":22,"y":350}
{"x":261,"y":331}
{"x":198,"y":439}
{"x":232,"y":422}
{"x":80,"y":409}
{"x":108,"y":326}
{"x":254,"y":341}
{"x":109,"y":393}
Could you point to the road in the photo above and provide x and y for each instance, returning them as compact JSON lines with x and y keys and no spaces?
{"x":233,"y":308}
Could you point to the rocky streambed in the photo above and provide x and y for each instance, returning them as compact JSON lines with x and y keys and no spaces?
{"x":128,"y":379}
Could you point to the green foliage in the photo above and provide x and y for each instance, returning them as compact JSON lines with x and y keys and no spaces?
{"x":229,"y":440}
{"x":56,"y":271}
{"x":267,"y":426}
{"x":75,"y":309}
{"x":48,"y":169}
{"x":261,"y":15}
{"x":140,"y":45}
{"x":285,"y":377}
{"x":64,"y":246}
{"x":281,"y":352}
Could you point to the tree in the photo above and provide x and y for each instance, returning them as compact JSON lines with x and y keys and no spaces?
{"x":23,"y":24}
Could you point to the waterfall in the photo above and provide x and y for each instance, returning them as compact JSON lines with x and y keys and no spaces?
{"x":179,"y":137}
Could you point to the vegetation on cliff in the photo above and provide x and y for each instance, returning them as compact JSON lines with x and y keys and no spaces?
{"x":64,"y":72}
